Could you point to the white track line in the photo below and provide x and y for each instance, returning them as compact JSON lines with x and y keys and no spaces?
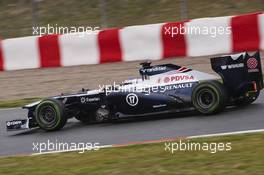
{"x":146,"y":142}
{"x":226,"y":133}
{"x":9,"y":109}
{"x":64,"y":151}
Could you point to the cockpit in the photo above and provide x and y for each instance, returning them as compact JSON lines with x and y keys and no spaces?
{"x":146,"y":70}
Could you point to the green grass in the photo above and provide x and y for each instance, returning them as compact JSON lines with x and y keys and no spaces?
{"x":246,"y":157}
{"x":16,"y":15}
{"x":17,"y":103}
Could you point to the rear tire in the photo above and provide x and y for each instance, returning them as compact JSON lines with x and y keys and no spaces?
{"x":209,"y":97}
{"x":50,"y":115}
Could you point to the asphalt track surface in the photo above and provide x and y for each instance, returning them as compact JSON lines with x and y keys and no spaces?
{"x":134,"y":130}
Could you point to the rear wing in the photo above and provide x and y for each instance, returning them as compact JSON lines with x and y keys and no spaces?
{"x":241,"y":73}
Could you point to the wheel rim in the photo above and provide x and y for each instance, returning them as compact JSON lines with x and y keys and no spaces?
{"x":206,"y":98}
{"x":47,"y":115}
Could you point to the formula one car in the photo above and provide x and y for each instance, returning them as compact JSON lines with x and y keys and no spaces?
{"x":165,"y":88}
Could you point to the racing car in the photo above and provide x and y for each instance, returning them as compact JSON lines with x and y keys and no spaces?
{"x":161,"y":89}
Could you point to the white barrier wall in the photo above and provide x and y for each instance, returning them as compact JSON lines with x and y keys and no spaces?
{"x":197,"y":37}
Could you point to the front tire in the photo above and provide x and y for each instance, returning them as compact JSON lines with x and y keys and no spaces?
{"x":209,"y":97}
{"x":50,"y":115}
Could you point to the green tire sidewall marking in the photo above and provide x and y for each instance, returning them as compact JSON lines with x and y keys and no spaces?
{"x":214,"y":90}
{"x":57,"y":110}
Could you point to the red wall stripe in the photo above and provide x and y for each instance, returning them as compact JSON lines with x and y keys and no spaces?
{"x":109,"y":46}
{"x":1,"y":57}
{"x":49,"y":51}
{"x":245,"y":33}
{"x":173,"y":44}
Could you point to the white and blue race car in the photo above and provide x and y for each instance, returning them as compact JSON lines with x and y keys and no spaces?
{"x":162,"y":89}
